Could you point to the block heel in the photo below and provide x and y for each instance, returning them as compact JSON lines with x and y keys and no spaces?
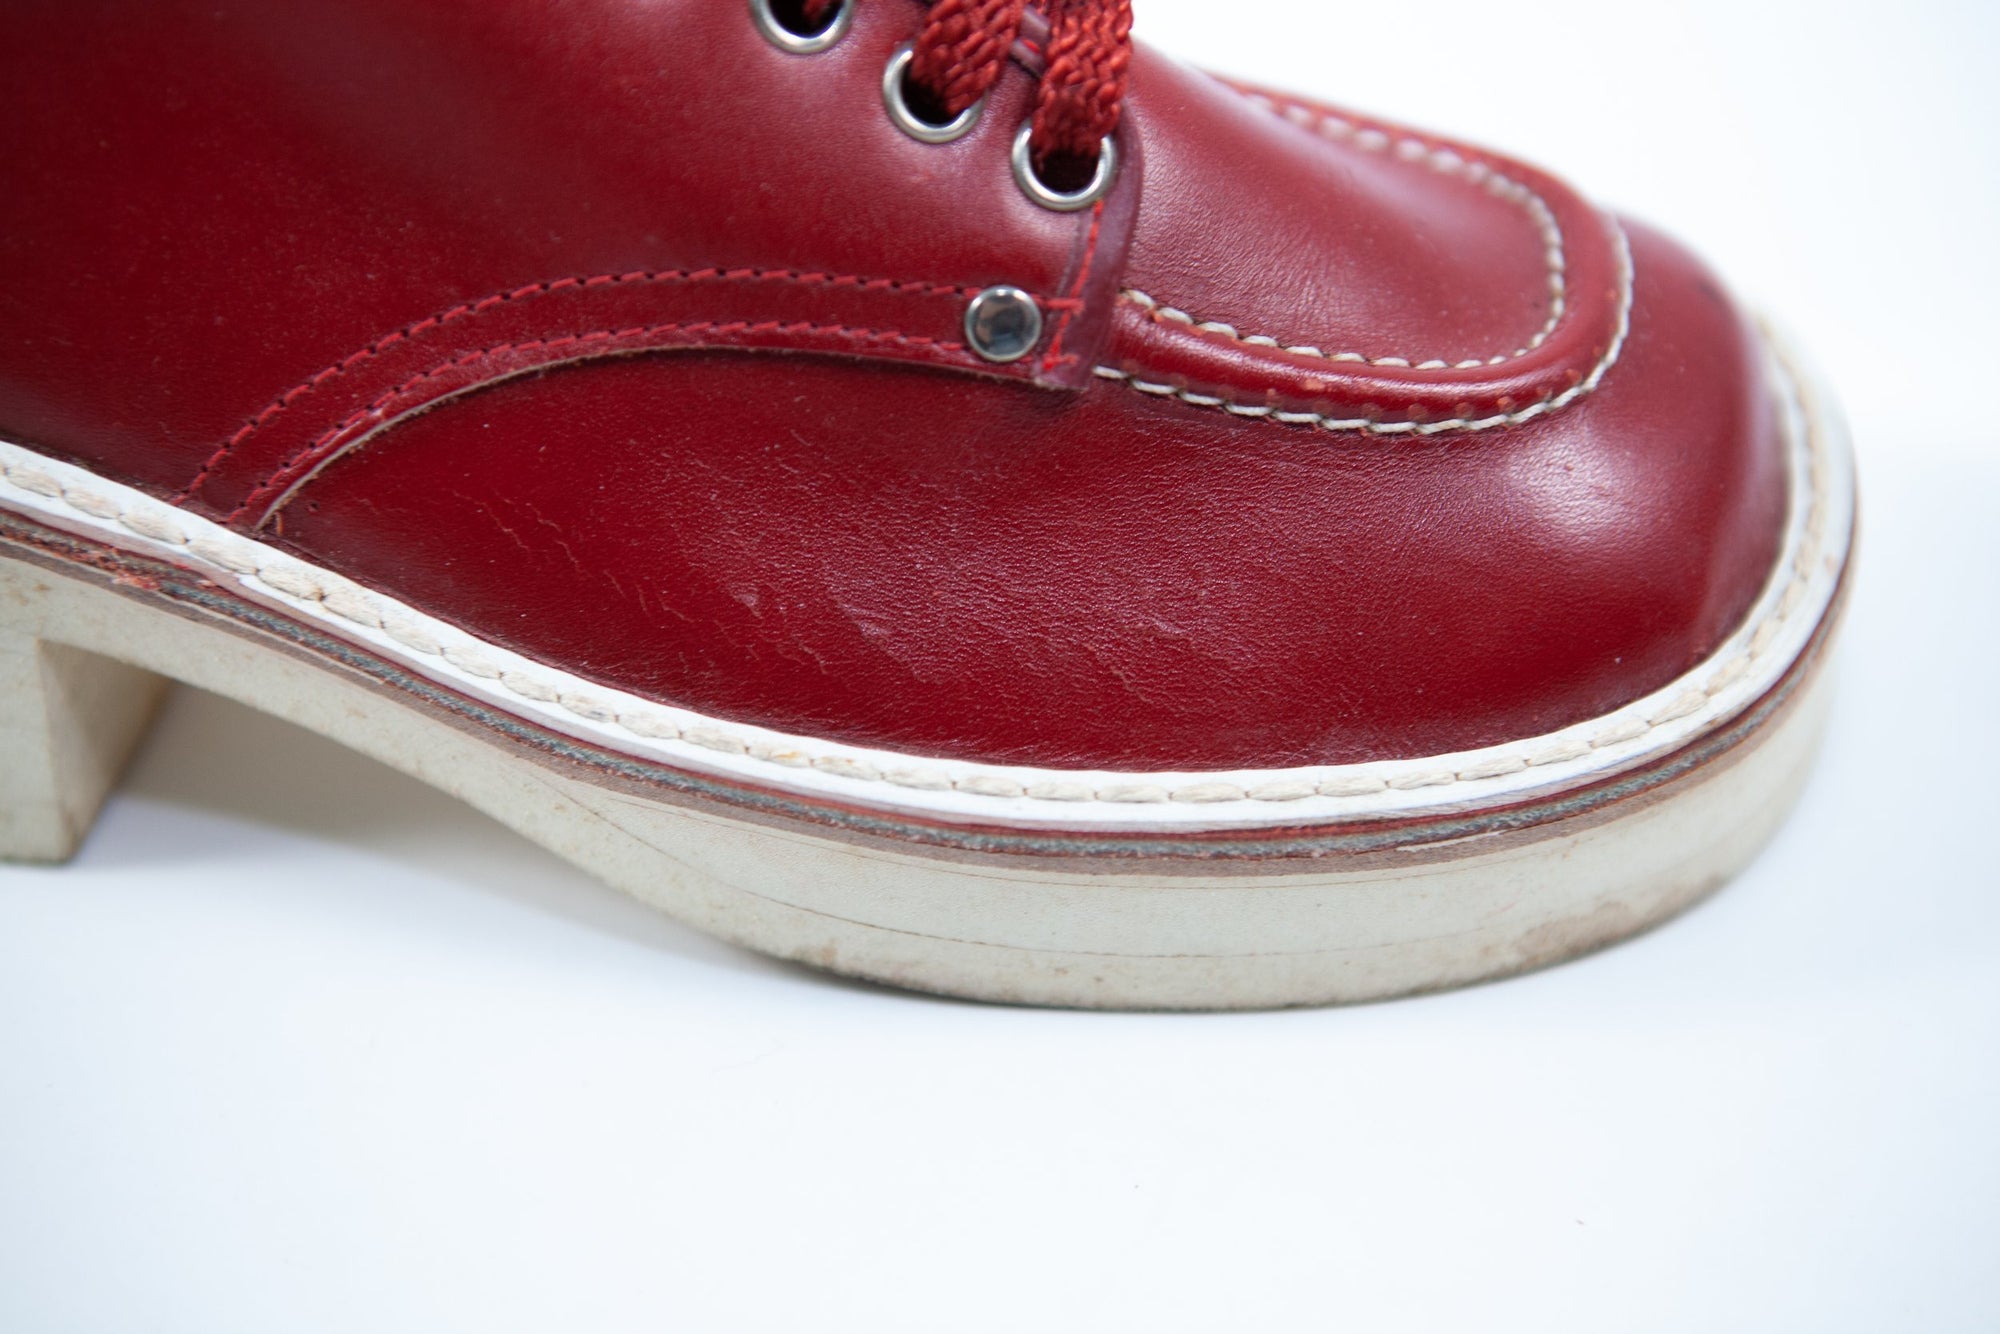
{"x":69,"y":720}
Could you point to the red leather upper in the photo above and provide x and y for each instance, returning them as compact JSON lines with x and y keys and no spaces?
{"x":615,"y":334}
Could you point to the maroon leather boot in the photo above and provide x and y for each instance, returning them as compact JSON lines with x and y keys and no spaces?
{"x":929,"y":489}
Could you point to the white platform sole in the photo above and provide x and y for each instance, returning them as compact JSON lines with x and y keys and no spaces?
{"x":1133,"y":890}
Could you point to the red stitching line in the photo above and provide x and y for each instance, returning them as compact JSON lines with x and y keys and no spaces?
{"x":1072,"y":304}
{"x":381,"y":405}
{"x":804,"y":278}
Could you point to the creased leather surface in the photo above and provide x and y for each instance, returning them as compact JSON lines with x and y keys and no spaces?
{"x":945,"y":566}
{"x":614,"y":335}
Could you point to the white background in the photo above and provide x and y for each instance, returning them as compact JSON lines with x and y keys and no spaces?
{"x":299,"y":1045}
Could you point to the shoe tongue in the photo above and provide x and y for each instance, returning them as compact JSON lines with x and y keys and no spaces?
{"x":1276,"y":219}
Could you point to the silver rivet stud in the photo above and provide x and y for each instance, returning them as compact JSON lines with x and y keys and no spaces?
{"x":1003,"y":324}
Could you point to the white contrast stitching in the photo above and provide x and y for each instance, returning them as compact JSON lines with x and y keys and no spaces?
{"x":1407,"y":148}
{"x":1371,"y":426}
{"x":224,"y":550}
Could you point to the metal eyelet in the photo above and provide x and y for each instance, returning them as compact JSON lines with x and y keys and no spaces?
{"x":908,"y":121}
{"x":1061,"y":201}
{"x":801,"y":43}
{"x":1003,"y":324}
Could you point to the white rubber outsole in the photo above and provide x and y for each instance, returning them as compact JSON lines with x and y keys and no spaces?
{"x":1178,"y":890}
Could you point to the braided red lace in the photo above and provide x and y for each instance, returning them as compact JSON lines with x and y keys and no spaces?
{"x":963,"y":46}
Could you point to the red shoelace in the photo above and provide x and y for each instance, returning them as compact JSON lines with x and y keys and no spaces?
{"x":963,"y":46}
